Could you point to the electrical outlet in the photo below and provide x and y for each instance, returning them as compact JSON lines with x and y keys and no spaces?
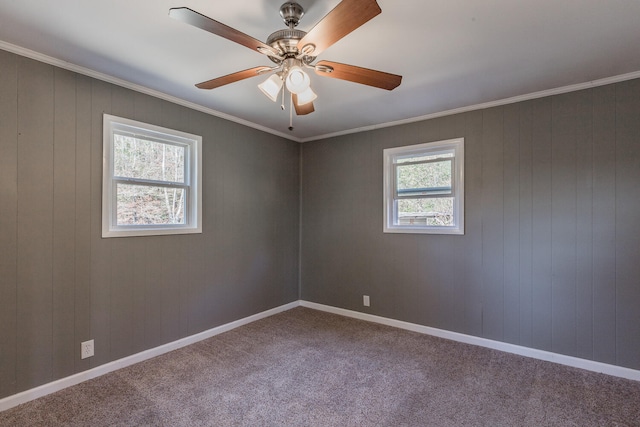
{"x":86,"y":349}
{"x":365,"y":300}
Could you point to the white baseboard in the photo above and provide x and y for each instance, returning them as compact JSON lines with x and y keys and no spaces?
{"x":590,"y":365}
{"x":52,"y":387}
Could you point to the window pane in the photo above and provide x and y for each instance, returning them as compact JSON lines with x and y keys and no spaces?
{"x":434,"y":211}
{"x":144,"y":205}
{"x":425,"y":157}
{"x":424,"y":178}
{"x":146,"y":159}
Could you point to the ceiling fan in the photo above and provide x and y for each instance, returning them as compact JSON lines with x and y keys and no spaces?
{"x":294,"y":50}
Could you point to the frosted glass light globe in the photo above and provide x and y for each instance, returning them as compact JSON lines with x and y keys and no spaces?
{"x":297,"y":80}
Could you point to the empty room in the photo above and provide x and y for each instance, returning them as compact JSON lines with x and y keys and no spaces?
{"x":319,"y":213}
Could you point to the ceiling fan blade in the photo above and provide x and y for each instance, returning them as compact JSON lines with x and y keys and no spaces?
{"x":231,"y":78}
{"x":302,"y":110}
{"x":360,"y":75}
{"x":343,"y":19}
{"x":191,"y":17}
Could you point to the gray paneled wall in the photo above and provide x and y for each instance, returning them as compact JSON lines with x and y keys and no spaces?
{"x":61,"y":283}
{"x":551,"y":255}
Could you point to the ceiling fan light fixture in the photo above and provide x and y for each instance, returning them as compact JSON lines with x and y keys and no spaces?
{"x":271,"y":87}
{"x":297,"y":80}
{"x":306,"y":97}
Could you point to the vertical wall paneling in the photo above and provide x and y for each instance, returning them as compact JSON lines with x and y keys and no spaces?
{"x":311,"y":271}
{"x":259,"y":259}
{"x":400,"y":279}
{"x":415,"y":264}
{"x":121,"y":303}
{"x":176,"y":117}
{"x":276,"y":227}
{"x":352,"y":217}
{"x":604,"y":227}
{"x":125,"y":324}
{"x":35,"y":223}
{"x":101,"y":273}
{"x":563,"y":223}
{"x":237,"y":209}
{"x":64,"y":208}
{"x":200,"y":255}
{"x":82,"y":293}
{"x":410,"y":266}
{"x":439,"y":250}
{"x":584,"y":224}
{"x":229,"y":205}
{"x":148,"y":110}
{"x":173,"y":251}
{"x":265,"y":227}
{"x":541,"y":224}
{"x":262,"y":227}
{"x":511,"y":225}
{"x":526,"y":234}
{"x":470,"y":264}
{"x":316,"y":214}
{"x":396,"y":269}
{"x":8,"y":220}
{"x":460,"y":246}
{"x":235,"y":206}
{"x":492,"y":223}
{"x":366,"y":223}
{"x":289,"y":182}
{"x":368,"y":226}
{"x":627,"y":225}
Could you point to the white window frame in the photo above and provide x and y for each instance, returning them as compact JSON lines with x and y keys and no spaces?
{"x":192,"y":184}
{"x":390,"y":197}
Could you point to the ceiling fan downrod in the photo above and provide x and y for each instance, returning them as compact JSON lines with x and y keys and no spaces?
{"x":291,"y":12}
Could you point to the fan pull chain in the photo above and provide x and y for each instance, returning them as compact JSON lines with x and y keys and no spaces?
{"x":282,"y":105}
{"x":291,"y":112}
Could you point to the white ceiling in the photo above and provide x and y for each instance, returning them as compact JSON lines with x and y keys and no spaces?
{"x":452,"y":54}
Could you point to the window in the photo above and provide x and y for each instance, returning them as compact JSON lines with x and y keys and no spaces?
{"x":151,"y":181}
{"x":424,"y":188}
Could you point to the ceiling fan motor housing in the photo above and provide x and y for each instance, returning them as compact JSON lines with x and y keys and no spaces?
{"x":286,"y":42}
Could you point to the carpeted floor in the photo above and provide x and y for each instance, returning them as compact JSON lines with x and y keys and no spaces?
{"x":309,"y":368}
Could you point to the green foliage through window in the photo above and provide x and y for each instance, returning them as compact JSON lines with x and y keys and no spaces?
{"x":424,"y":188}
{"x":144,"y":159}
{"x":424,"y":178}
{"x":135,"y":157}
{"x":152,"y":180}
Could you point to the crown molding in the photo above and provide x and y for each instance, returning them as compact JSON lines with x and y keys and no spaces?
{"x":148,"y":91}
{"x":136,"y":87}
{"x":485,"y":105}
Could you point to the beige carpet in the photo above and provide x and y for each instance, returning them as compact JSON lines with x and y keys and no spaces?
{"x":308,"y":368}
